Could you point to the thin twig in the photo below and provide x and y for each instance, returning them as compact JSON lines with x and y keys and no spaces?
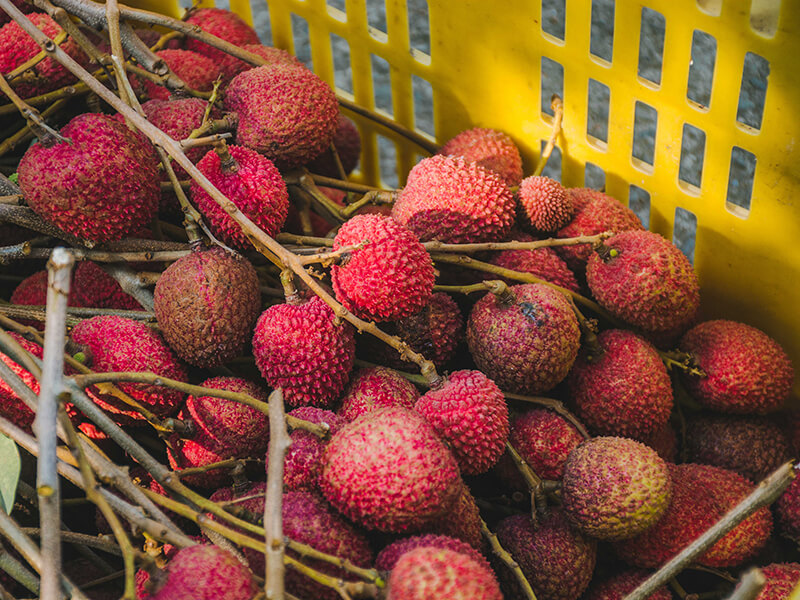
{"x":18,"y":571}
{"x":750,"y":586}
{"x":279,"y":442}
{"x":437,"y":246}
{"x":337,"y":184}
{"x":59,"y":270}
{"x":555,"y":405}
{"x":100,"y":542}
{"x":763,"y":495}
{"x":532,"y":480}
{"x":508,"y":560}
{"x":558,"y":114}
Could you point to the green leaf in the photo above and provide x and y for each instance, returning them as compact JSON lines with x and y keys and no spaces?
{"x":13,"y":177}
{"x":9,"y":472}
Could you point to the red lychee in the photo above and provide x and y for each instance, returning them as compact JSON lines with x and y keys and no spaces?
{"x":270,"y":54}
{"x":102,"y":185}
{"x":302,"y":463}
{"x":619,"y":586}
{"x":388,"y":470}
{"x":388,"y":557}
{"x":544,"y":440}
{"x":489,"y":148}
{"x":701,"y":495}
{"x":462,"y":522}
{"x":206,"y":304}
{"x":435,"y":332}
{"x":746,"y":370}
{"x":595,"y":212}
{"x":198,"y":72}
{"x":120,"y":344}
{"x":557,"y":561}
{"x":526,"y":346}
{"x":646,"y":281}
{"x":226,"y":25}
{"x":286,"y":113}
{"x":347,"y":141}
{"x":17,"y":47}
{"x":625,"y":391}
{"x":253,"y":184}
{"x":205,"y":572}
{"x":614,"y":488}
{"x":391,"y":277}
{"x":545,"y":203}
{"x":543,"y":263}
{"x":300,"y":348}
{"x":428,"y":572}
{"x":787,"y":510}
{"x":451,"y":199}
{"x":374,"y":388}
{"x":782,"y":578}
{"x":468,"y":412}
{"x":308,"y":519}
{"x":12,"y":407}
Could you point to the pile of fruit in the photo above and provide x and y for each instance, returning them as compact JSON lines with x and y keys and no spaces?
{"x":496,"y":387}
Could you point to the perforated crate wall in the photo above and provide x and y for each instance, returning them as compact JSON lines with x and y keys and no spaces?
{"x":661,"y":135}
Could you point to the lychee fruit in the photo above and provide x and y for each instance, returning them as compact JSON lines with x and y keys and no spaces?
{"x":239,"y":427}
{"x":489,"y":148}
{"x":308,"y":519}
{"x":198,"y":72}
{"x":374,"y":388}
{"x":102,"y":185}
{"x":624,"y":391}
{"x":787,"y":510}
{"x":614,"y":488}
{"x":435,"y":332}
{"x":390,"y":277}
{"x":428,"y":572}
{"x":451,"y":199}
{"x":746,"y":370}
{"x":12,"y":407}
{"x":120,"y":344}
{"x":782,"y":579}
{"x":619,"y":586}
{"x":301,"y":348}
{"x":544,"y":203}
{"x":462,"y":522}
{"x":646,"y":281}
{"x":347,"y":141}
{"x":17,"y":47}
{"x":389,"y":471}
{"x":205,"y":572}
{"x":664,"y":441}
{"x":226,"y":25}
{"x":206,"y":304}
{"x":543,"y":263}
{"x":273,"y":56}
{"x":751,"y":446}
{"x":701,"y":495}
{"x":595,"y":212}
{"x":470,"y":414}
{"x":556,"y":560}
{"x":286,"y":113}
{"x":302,"y":463}
{"x":543,"y":439}
{"x":252,"y":183}
{"x":388,"y":557}
{"x":178,"y":118}
{"x":528,"y":345}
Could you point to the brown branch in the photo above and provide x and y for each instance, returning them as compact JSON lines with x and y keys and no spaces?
{"x":532,"y":480}
{"x":553,"y":404}
{"x":279,"y":442}
{"x":437,"y":246}
{"x":508,"y":561}
{"x":34,"y":60}
{"x":558,"y":114}
{"x":337,"y":184}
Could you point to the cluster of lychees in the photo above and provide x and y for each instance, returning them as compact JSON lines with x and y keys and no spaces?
{"x":408,"y":473}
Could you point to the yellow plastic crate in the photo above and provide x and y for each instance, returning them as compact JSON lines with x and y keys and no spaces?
{"x":485,"y":69}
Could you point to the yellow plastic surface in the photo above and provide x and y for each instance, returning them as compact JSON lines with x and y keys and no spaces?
{"x":485,"y":70}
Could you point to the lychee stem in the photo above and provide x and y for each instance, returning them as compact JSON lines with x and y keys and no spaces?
{"x":553,"y":404}
{"x":507,"y":560}
{"x":496,"y":286}
{"x":471,"y":263}
{"x":279,"y":442}
{"x":532,"y":480}
{"x":46,"y":134}
{"x":209,"y":140}
{"x":374,"y":197}
{"x":339,"y":257}
{"x":304,"y":240}
{"x":165,"y":39}
{"x":337,"y":184}
{"x":558,"y":114}
{"x":229,"y":463}
{"x":594,"y":351}
{"x":764,"y":494}
{"x":289,"y":289}
{"x":227,"y":163}
{"x":682,"y":361}
{"x":327,"y":206}
{"x":437,"y":246}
